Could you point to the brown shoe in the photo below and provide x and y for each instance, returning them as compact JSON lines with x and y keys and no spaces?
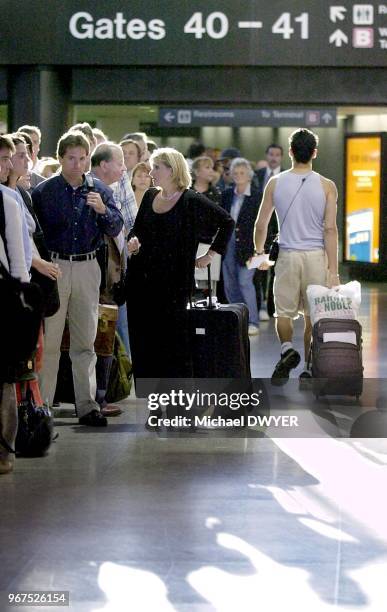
{"x":5,"y":466}
{"x":110,"y":410}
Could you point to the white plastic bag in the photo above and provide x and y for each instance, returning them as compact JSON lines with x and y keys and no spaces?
{"x":342,"y":302}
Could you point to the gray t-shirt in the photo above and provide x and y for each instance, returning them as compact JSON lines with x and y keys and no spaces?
{"x":303,"y":229}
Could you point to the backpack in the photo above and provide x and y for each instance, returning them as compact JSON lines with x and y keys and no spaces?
{"x":120,"y":379}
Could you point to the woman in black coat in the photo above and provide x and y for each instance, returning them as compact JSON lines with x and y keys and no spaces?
{"x":160,"y":277}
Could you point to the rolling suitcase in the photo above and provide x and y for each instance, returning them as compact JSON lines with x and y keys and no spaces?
{"x":336,"y":355}
{"x":220,"y":345}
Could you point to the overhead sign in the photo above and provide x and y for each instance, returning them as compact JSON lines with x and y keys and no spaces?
{"x":194,"y":33}
{"x":362,"y":202}
{"x":235,"y":117}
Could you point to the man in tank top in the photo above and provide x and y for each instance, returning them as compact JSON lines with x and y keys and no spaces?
{"x":306,"y":206}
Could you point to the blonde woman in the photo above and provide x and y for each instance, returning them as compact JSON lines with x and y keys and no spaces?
{"x":203,"y":178}
{"x":160,"y":276}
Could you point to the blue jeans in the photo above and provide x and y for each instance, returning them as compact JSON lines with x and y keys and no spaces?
{"x":238,"y":283}
{"x":122,"y":327}
{"x":102,"y":371}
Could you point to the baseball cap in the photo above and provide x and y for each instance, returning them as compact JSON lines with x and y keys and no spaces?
{"x":230,"y":153}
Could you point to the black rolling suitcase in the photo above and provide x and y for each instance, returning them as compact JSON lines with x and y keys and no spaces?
{"x":220,"y":345}
{"x":337,"y":367}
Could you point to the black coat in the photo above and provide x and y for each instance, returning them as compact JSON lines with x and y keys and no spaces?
{"x":244,"y":227}
{"x":260,"y":178}
{"x":160,"y":280}
{"x":199,"y":216}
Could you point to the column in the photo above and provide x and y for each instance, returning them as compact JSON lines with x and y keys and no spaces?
{"x":40,"y":96}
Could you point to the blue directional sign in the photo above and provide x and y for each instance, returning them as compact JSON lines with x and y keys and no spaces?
{"x":186,"y":116}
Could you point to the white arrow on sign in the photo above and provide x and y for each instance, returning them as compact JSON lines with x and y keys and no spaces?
{"x":169,"y":117}
{"x":337,"y":13}
{"x":338,"y":38}
{"x":327,"y":117}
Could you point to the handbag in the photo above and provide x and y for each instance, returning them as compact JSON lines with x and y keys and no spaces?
{"x":35,"y":430}
{"x":35,"y":426}
{"x":274,"y":247}
{"x":120,"y":379}
{"x":107,"y":323}
{"x":48,"y":286}
{"x":21,"y":314}
{"x":49,"y":289}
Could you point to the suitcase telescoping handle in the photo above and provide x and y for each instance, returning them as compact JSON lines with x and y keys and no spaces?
{"x":211,"y":306}
{"x":207,"y":303}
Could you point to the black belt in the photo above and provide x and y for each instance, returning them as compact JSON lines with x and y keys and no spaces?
{"x":80,"y":257}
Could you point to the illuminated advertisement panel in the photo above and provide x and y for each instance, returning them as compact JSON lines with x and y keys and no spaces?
{"x":362,"y":203}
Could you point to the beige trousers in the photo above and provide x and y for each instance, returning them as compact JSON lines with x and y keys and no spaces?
{"x":8,"y":418}
{"x":79,"y":296}
{"x":294,"y":271}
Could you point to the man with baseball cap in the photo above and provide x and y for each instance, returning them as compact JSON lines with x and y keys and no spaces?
{"x":226,"y":156}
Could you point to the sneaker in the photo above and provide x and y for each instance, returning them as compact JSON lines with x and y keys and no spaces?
{"x":263,"y":315}
{"x":289,"y":360}
{"x":305,"y":381}
{"x":93,"y":419}
{"x":253,"y":330}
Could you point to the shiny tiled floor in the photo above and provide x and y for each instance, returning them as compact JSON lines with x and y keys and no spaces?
{"x":127,"y":520}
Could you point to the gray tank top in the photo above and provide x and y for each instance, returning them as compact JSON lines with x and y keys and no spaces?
{"x":303,"y":229}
